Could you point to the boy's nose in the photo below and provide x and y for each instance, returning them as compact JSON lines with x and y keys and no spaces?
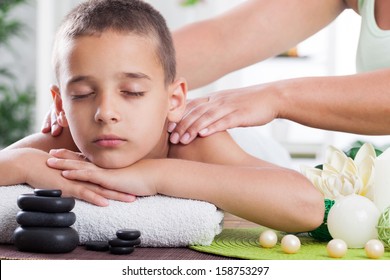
{"x":106,"y":111}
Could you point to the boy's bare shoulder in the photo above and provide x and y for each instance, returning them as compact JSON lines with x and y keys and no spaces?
{"x":46,"y":142}
{"x":219,"y":148}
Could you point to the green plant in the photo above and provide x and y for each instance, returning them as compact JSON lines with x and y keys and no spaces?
{"x":15,"y":113}
{"x":9,"y":27}
{"x":187,"y":3}
{"x":15,"y":104}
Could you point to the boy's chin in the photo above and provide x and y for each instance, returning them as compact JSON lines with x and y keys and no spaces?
{"x":112,"y":163}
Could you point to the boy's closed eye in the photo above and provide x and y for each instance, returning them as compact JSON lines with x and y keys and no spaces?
{"x":76,"y":96}
{"x":133,"y":93}
{"x":84,"y":95}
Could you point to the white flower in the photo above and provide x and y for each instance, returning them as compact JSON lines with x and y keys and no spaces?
{"x":341,"y":176}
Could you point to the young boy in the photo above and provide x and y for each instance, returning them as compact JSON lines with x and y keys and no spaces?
{"x":115,"y":67}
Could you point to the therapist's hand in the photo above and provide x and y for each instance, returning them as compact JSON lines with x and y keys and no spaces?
{"x":50,"y":124}
{"x":252,"y":106}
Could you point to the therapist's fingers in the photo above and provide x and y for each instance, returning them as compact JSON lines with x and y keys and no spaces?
{"x":193,"y":110}
{"x":194,"y":103}
{"x":46,"y":126}
{"x":205,"y":119}
{"x":191,"y":104}
{"x":56,"y":129}
{"x":180,"y":130}
{"x":50,"y":124}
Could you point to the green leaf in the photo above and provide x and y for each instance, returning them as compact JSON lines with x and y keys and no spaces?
{"x":356,"y":147}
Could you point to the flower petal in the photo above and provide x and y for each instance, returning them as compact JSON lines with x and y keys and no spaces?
{"x":365,"y":151}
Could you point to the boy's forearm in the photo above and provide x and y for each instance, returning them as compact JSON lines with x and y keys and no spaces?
{"x":262,"y":195}
{"x":12,"y":167}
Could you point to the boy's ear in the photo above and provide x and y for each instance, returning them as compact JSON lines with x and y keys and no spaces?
{"x":60,"y":113}
{"x":177,"y":100}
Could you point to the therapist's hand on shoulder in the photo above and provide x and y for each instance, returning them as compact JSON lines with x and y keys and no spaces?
{"x":252,"y":106}
{"x":50,"y":124}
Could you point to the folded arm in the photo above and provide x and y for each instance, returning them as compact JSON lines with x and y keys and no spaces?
{"x":216,"y":170}
{"x":24,"y":162}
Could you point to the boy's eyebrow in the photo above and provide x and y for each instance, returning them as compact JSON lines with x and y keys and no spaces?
{"x":136,"y":75}
{"x":77,"y":79}
{"x":132,"y":75}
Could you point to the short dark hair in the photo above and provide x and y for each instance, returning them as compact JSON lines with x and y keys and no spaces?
{"x":124,"y":16}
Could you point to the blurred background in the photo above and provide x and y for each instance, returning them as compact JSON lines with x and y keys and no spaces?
{"x":27,"y":28}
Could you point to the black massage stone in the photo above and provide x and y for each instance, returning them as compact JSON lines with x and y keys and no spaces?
{"x":49,"y":193}
{"x":128,"y":234}
{"x":121,"y":250}
{"x":97,"y":246}
{"x":41,"y":219}
{"x":30,"y":202}
{"x":116,"y":242}
{"x":45,"y":240}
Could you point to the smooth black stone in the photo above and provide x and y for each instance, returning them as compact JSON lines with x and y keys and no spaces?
{"x":100,"y":246}
{"x":128,"y":234}
{"x":116,"y":242}
{"x":41,"y":219}
{"x":48,"y":193}
{"x":121,"y":250}
{"x":30,"y":202}
{"x":45,"y":240}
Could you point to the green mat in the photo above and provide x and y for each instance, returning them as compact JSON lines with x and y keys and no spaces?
{"x":244,"y":244}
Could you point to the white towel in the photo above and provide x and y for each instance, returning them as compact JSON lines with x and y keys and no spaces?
{"x":163,"y":221}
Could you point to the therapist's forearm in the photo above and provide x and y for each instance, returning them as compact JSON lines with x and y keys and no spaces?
{"x":248,"y":33}
{"x":356,"y":103}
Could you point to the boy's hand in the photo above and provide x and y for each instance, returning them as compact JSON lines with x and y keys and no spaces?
{"x":39,"y":175}
{"x":135,"y":179}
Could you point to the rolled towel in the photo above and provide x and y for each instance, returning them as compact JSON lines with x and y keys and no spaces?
{"x":163,"y":221}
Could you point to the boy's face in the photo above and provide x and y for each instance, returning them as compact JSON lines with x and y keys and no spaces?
{"x":114,"y":99}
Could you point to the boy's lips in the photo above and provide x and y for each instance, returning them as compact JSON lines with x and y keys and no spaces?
{"x":109,"y":141}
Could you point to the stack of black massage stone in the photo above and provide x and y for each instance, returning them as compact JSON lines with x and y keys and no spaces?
{"x":124,"y":243}
{"x":45,"y":222}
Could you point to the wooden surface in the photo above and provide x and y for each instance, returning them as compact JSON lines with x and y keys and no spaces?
{"x":231,"y":221}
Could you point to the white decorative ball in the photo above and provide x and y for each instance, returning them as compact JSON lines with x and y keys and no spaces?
{"x":374,"y":249}
{"x":336,"y":248}
{"x":290,"y":244}
{"x":353,"y":218}
{"x":268,"y":239}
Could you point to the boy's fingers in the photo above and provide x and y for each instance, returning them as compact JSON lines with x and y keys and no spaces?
{"x":67,"y":164}
{"x":87,"y":175}
{"x":96,"y":185}
{"x":115,"y":195}
{"x":67,"y":154}
{"x":84,"y":193}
